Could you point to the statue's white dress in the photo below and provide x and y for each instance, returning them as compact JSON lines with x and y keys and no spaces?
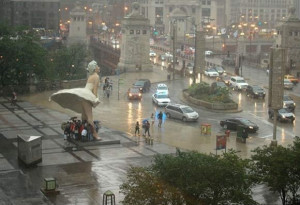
{"x":72,"y":98}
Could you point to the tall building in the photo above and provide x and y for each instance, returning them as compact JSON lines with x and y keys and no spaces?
{"x":297,"y":6}
{"x":32,"y":13}
{"x":267,"y":11}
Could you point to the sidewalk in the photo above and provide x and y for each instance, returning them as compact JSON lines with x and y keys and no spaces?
{"x":83,"y":173}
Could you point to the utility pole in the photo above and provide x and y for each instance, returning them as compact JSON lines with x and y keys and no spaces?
{"x":174,"y":46}
{"x":196,"y":64}
{"x":277,"y":67}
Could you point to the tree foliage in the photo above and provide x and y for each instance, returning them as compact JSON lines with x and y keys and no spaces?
{"x":20,"y":57}
{"x":276,"y":166}
{"x":203,"y":91}
{"x":194,"y":178}
{"x":67,"y":62}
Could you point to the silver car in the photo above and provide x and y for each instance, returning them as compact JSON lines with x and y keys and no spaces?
{"x":182,"y":112}
{"x":287,"y":84}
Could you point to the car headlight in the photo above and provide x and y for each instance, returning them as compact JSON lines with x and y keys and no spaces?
{"x":294,"y":104}
{"x":250,"y":127}
{"x":284,"y":104}
{"x":130,"y":94}
{"x":294,"y":115}
{"x":282,"y":116}
{"x":256,"y":93}
{"x":140,"y":94}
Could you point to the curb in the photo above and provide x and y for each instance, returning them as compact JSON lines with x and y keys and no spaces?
{"x":211,"y":110}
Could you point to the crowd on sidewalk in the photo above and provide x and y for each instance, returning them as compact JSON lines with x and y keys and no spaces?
{"x":79,"y":130}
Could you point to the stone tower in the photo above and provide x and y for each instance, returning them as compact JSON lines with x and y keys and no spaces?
{"x":135,"y":44}
{"x":77,"y":30}
{"x":289,"y":38}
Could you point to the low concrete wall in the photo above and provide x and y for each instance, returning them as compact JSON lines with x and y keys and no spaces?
{"x":66,"y":84}
{"x":214,"y":106}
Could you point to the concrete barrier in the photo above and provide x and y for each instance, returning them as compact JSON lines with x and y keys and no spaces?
{"x":213,"y":106}
{"x":66,"y":84}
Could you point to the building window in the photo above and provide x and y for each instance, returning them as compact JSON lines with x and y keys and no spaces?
{"x":138,"y":32}
{"x":144,"y":31}
{"x":131,"y":32}
{"x":205,"y":11}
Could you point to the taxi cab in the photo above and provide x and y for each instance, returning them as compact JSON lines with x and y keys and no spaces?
{"x":162,"y":88}
{"x":292,"y":78}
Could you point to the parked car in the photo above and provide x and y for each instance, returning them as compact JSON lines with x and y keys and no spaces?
{"x":218,"y":85}
{"x":181,"y":112}
{"x":255,"y":91}
{"x":143,"y":84}
{"x":209,"y":54}
{"x":225,"y":79}
{"x":163,"y":57}
{"x":283,"y":115}
{"x":293,"y":79}
{"x":287,"y":84}
{"x":162,"y":88}
{"x":238,"y":83}
{"x":161,"y":99}
{"x":233,"y":123}
{"x":289,"y":103}
{"x":134,"y":94}
{"x":220,"y":70}
{"x":210,"y":72}
{"x":190,"y":67}
{"x":152,"y":53}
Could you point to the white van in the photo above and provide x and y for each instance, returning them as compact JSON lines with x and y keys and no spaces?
{"x":238,"y":83}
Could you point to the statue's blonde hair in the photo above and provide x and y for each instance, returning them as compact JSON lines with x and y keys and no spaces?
{"x":92,"y":66}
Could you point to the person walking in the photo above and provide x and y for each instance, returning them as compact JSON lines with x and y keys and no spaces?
{"x":14,"y":99}
{"x":160,"y":117}
{"x":137,"y":128}
{"x":147,"y":128}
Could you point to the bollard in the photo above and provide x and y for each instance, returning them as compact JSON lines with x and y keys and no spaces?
{"x":151,"y":141}
{"x":227,"y":133}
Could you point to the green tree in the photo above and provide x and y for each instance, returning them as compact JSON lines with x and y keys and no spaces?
{"x":196,"y":178}
{"x":21,"y":56}
{"x":68,"y":62}
{"x":275,"y":166}
{"x":143,"y":187}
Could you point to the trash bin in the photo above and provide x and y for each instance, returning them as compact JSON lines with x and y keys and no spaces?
{"x":227,"y":133}
{"x":242,"y":132}
{"x":206,"y":129}
{"x":30,"y":149}
{"x":169,"y":76}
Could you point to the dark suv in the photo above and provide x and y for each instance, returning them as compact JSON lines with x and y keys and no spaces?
{"x":255,"y":91}
{"x":143,"y":84}
{"x":283,"y":115}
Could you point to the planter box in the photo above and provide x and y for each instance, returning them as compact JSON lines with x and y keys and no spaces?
{"x":214,"y":106}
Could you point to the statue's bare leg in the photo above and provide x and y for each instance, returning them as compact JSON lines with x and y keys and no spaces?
{"x":87,"y":112}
